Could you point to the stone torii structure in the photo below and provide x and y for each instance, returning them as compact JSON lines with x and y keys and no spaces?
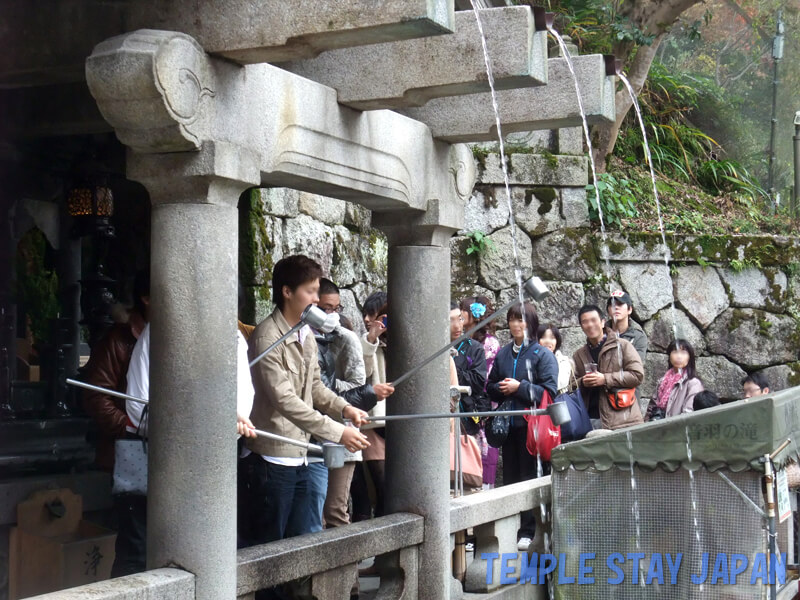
{"x":204,"y":117}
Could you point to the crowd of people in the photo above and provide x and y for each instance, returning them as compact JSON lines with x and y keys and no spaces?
{"x":331,"y":386}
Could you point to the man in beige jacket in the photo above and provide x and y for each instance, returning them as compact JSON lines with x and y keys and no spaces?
{"x":290,"y":401}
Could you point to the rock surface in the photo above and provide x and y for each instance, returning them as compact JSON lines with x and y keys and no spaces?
{"x":699,"y":290}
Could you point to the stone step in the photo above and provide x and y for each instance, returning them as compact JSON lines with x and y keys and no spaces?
{"x":411,"y":72}
{"x":554,"y":106}
{"x":250,"y":32}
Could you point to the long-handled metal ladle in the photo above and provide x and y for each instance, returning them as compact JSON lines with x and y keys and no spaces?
{"x":313,"y":316}
{"x":557,"y":411}
{"x":332,"y":454}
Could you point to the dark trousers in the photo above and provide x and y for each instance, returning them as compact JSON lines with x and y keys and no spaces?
{"x":519,"y":465}
{"x":130,"y":548}
{"x":278,"y":499}
{"x":359,"y":489}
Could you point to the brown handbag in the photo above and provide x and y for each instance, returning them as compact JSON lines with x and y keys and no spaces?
{"x":621,"y":398}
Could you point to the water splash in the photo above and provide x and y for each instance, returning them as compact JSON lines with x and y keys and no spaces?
{"x":694,"y":499}
{"x":635,"y":509}
{"x":649,"y":159}
{"x":587,"y":135}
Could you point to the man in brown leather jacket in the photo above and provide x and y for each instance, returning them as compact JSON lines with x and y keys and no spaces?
{"x":107,"y":368}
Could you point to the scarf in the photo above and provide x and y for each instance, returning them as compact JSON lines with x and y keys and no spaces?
{"x":669,"y":381}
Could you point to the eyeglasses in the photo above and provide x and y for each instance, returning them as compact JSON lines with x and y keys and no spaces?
{"x":332,"y":309}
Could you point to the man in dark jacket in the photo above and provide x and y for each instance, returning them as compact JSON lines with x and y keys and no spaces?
{"x":470,"y":361}
{"x":620,"y":307}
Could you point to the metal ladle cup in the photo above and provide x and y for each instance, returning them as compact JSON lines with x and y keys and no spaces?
{"x":536,"y":289}
{"x":559,"y":413}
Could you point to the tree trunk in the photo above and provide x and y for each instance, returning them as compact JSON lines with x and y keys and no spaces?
{"x":604,"y":137}
{"x":653,"y":17}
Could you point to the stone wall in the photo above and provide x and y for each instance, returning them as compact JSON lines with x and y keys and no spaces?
{"x":278,"y":222}
{"x":737,"y":298}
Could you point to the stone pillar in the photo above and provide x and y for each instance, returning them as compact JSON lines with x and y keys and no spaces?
{"x":191,"y":500}
{"x":417,"y":452}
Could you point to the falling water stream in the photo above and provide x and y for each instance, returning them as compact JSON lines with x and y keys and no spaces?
{"x":693,"y":489}
{"x":635,"y":507}
{"x":587,"y":135}
{"x":649,"y":159}
{"x":515,"y":249}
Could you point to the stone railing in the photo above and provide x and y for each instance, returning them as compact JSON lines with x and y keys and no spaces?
{"x":494,"y":517}
{"x":328,"y":561}
{"x":324,"y":565}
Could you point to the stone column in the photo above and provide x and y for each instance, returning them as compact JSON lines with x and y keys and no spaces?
{"x":191,"y":501}
{"x":417,"y":452}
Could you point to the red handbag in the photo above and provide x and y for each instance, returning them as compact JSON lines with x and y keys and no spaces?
{"x":543,"y":436}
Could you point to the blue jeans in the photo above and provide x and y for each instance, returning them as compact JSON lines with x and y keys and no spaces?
{"x":317,"y":491}
{"x":283,"y":503}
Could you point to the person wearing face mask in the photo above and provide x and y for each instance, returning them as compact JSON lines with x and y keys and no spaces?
{"x":550,"y":337}
{"x":678,"y":387}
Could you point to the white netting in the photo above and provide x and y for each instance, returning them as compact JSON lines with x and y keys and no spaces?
{"x":594,"y":513}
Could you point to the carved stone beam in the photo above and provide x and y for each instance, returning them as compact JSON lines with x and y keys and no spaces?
{"x":411,"y":72}
{"x":162,"y":93}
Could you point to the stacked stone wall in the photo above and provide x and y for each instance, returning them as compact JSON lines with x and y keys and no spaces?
{"x":737,"y":298}
{"x":278,"y":222}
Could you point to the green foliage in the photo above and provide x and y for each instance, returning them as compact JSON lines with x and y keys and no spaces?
{"x":479,"y":243}
{"x":37,"y":285}
{"x":617,"y":199}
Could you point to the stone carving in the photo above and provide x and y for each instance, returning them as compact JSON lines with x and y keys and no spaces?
{"x":320,"y":156}
{"x":153,"y":87}
{"x":462,"y":168}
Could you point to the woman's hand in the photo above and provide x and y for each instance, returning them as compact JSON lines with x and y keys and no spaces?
{"x":245,"y":427}
{"x":509,"y":386}
{"x":383,"y":390}
{"x":376,"y":329}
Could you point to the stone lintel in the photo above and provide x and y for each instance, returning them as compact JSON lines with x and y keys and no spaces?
{"x":164,"y":95}
{"x":554,"y":106}
{"x":411,"y":72}
{"x":276,"y":30}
